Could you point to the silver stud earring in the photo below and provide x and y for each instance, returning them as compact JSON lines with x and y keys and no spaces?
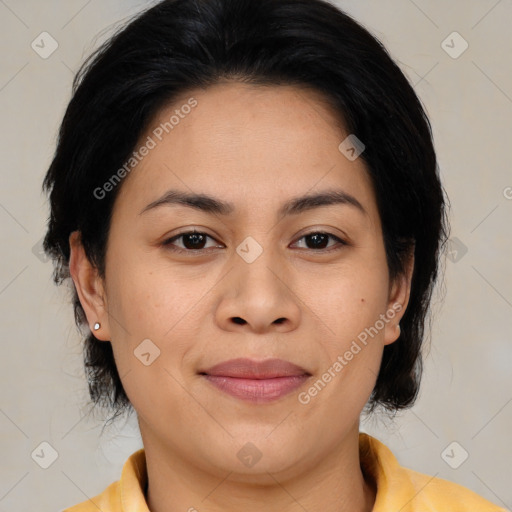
{"x":97,"y":326}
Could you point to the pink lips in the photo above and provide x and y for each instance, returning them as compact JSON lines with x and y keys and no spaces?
{"x":256,"y":381}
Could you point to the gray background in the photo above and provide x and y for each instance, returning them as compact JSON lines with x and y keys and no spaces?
{"x":466,"y":391}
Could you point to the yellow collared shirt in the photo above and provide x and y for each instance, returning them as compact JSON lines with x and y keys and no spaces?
{"x":398,"y":488}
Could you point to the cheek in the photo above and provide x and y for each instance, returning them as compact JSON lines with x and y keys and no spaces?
{"x":151,"y":327}
{"x":145,"y":299}
{"x":149,"y":302}
{"x":352,"y":351}
{"x":350,"y":302}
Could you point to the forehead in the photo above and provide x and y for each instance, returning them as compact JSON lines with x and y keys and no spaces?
{"x":250,"y":145}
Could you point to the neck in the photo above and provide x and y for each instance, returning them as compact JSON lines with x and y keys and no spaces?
{"x":333,"y":483}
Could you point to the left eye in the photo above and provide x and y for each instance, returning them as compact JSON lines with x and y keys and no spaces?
{"x":193,"y":241}
{"x":319,"y":238}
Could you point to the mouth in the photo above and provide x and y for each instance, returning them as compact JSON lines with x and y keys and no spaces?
{"x":256,"y":381}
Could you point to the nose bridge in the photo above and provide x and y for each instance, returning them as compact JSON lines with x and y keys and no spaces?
{"x":257,"y":262}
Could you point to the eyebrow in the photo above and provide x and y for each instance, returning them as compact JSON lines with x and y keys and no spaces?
{"x":294,"y":206}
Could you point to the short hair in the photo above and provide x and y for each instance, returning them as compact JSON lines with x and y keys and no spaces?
{"x":178,"y":45}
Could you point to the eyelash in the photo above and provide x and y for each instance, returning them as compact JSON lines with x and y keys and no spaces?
{"x":168,"y":243}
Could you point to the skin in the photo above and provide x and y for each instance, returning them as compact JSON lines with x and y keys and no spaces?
{"x":255,"y":147}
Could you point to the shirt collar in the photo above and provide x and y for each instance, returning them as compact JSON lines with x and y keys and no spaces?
{"x":395,"y":491}
{"x":134,"y":479}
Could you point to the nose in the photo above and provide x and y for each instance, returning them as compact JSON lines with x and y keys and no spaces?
{"x":259,"y":296}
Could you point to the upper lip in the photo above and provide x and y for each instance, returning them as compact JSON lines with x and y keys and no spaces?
{"x":252,"y":369}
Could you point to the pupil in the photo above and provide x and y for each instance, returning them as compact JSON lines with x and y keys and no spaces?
{"x":196,"y":237}
{"x":316,"y":238}
{"x":191,"y":241}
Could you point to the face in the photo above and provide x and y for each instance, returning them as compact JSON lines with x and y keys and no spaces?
{"x":307,"y":284}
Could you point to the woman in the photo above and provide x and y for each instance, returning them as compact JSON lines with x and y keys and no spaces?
{"x":245,"y":194}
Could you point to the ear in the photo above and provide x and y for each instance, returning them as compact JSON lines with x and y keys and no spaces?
{"x":89,"y":287}
{"x":399,"y":293}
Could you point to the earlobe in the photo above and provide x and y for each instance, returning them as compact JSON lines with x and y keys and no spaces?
{"x":400,"y":290}
{"x":89,"y":287}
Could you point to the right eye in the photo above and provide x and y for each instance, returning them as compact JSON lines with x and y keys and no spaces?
{"x":192,"y":241}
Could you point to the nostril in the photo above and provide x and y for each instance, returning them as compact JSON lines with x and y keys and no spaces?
{"x":238,"y":320}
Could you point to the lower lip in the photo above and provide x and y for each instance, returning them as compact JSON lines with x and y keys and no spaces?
{"x":257,"y":390}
